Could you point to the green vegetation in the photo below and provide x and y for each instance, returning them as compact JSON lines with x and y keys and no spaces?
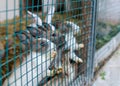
{"x":103,"y":74}
{"x":105,"y":32}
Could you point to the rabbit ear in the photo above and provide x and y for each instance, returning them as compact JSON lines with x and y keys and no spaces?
{"x":32,"y":14}
{"x":50,"y":15}
{"x":74,"y":26}
{"x":36,"y":18}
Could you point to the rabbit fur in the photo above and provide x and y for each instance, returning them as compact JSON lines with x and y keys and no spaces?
{"x":35,"y":64}
{"x":50,"y":32}
{"x":69,"y":29}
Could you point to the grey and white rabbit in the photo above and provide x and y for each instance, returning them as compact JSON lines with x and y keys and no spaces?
{"x":69,"y":29}
{"x":69,"y":69}
{"x":35,"y":65}
{"x":42,"y":29}
{"x":48,"y":31}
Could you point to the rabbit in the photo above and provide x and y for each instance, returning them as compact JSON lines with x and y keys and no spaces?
{"x":68,"y":74}
{"x":35,"y":66}
{"x":25,"y":38}
{"x":71,"y":41}
{"x":50,"y":34}
{"x":56,"y":39}
{"x":70,"y":29}
{"x":39,"y":24}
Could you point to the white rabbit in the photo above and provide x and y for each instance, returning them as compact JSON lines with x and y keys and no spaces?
{"x":33,"y":68}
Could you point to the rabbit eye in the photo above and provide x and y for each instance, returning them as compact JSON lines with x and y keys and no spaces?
{"x":53,"y":34}
{"x":43,"y":43}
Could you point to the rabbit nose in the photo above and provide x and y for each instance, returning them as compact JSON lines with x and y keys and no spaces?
{"x":54,"y":34}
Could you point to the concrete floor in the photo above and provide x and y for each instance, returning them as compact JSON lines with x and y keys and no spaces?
{"x":110,"y":72}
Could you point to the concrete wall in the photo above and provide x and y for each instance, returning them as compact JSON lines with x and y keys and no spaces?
{"x":10,"y":7}
{"x":106,"y":50}
{"x":109,"y":11}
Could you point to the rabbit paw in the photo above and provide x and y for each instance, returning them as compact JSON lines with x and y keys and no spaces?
{"x":53,"y":54}
{"x":81,"y":45}
{"x":59,"y":70}
{"x":50,"y":72}
{"x":79,"y":60}
{"x":75,"y":33}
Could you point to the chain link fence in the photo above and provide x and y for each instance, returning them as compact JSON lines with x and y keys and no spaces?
{"x":47,"y":42}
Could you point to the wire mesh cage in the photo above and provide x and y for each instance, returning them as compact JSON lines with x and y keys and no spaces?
{"x":47,"y":42}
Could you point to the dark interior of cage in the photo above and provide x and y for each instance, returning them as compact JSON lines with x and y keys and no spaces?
{"x":79,"y":12}
{"x":35,"y":5}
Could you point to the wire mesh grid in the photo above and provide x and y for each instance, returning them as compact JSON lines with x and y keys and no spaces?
{"x":47,"y":42}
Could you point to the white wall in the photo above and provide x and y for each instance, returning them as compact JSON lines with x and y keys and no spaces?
{"x":109,"y":11}
{"x":10,"y":7}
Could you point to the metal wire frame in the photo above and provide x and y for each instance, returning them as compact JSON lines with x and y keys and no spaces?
{"x":84,"y":14}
